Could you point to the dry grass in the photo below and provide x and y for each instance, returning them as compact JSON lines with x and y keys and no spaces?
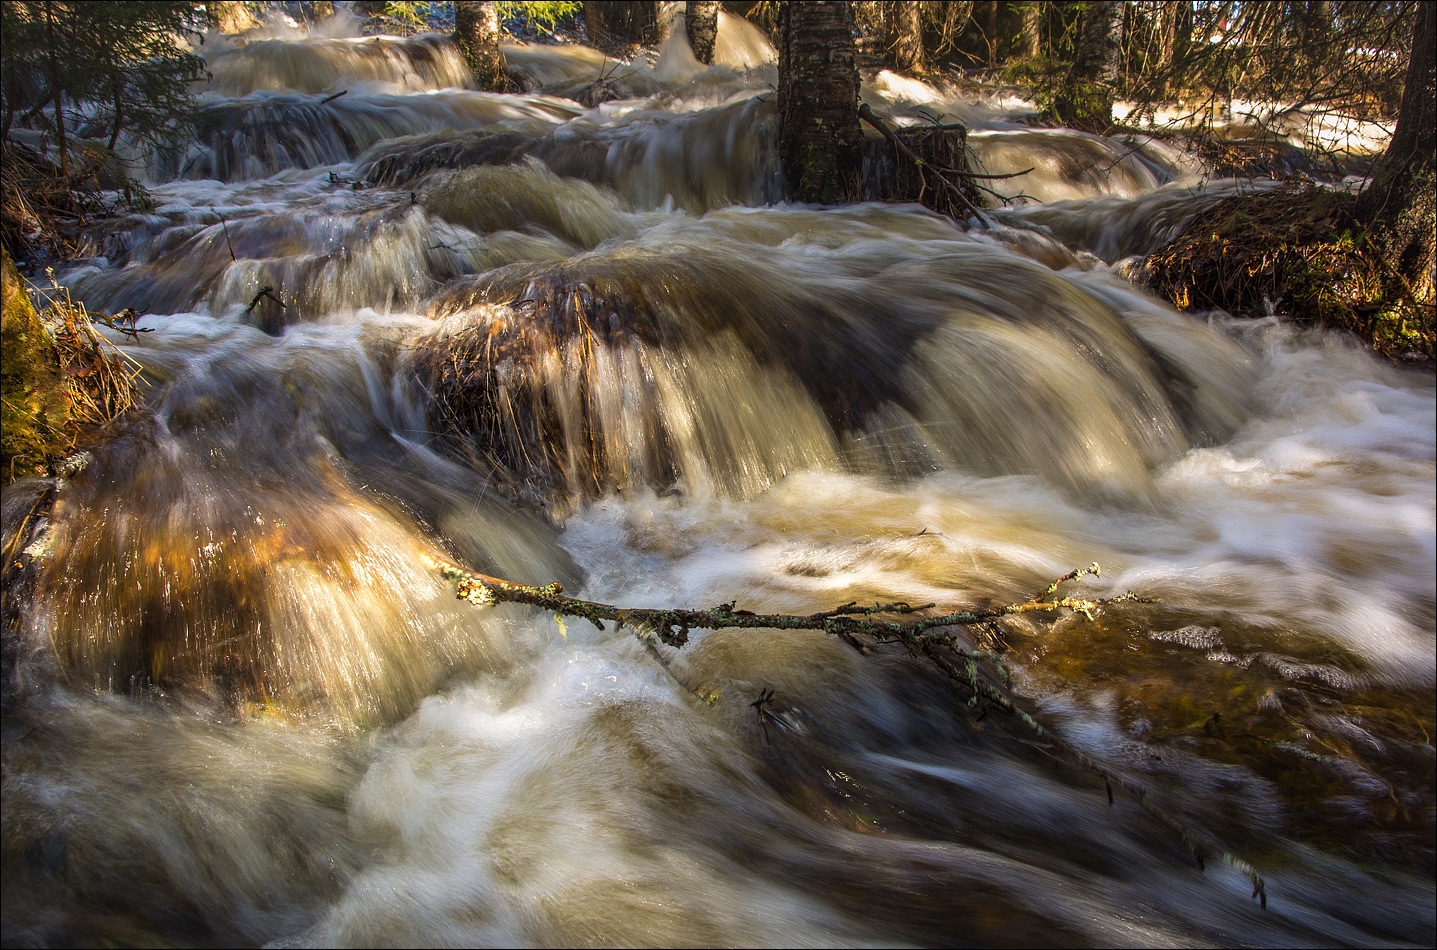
{"x":36,"y":207}
{"x":103,"y":381}
{"x":1298,"y":252}
{"x":64,"y":391}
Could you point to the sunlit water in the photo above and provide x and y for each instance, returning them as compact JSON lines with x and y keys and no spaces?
{"x":246,"y":710}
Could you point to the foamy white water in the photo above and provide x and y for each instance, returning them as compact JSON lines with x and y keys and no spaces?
{"x":246,"y":711}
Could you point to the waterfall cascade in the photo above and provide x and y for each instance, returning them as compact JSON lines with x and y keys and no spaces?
{"x":587,"y":345}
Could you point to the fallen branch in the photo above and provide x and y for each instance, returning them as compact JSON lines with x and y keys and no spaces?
{"x":930,"y":635}
{"x":848,"y":621}
{"x":867,"y":115}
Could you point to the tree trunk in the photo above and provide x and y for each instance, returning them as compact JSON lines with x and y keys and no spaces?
{"x":701,"y":22}
{"x":594,"y":23}
{"x":820,"y":142}
{"x":1030,"y":40}
{"x":476,"y":30}
{"x":1400,"y":205}
{"x":906,"y":37}
{"x":117,"y":97}
{"x":1182,"y":37}
{"x":1169,"y":25}
{"x":990,"y":30}
{"x":1167,"y":33}
{"x":1097,"y":68}
{"x":1315,"y":24}
{"x":952,"y":23}
{"x":55,"y":89}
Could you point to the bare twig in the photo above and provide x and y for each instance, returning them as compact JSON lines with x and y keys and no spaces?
{"x":263,"y":293}
{"x":226,"y":228}
{"x":924,"y":634}
{"x":123,"y":323}
{"x":672,"y":626}
{"x":866,"y":114}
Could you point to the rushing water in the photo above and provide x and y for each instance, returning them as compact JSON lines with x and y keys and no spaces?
{"x":246,"y":711}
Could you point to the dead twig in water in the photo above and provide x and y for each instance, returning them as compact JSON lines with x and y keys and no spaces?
{"x":123,"y":323}
{"x":925,"y":634}
{"x":226,"y":227}
{"x":263,"y":293}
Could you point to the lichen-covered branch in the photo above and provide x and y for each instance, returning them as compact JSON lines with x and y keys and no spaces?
{"x":851,"y":620}
{"x":930,"y":635}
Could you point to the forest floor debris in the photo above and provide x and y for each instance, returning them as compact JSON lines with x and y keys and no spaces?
{"x":1294,"y":251}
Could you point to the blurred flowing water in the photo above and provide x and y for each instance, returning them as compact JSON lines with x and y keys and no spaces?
{"x":583,"y":344}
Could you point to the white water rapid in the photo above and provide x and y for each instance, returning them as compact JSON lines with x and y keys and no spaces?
{"x":562,"y":343}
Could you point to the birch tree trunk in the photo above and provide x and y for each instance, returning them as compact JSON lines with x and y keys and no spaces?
{"x":701,"y":22}
{"x":820,"y":142}
{"x":476,"y":29}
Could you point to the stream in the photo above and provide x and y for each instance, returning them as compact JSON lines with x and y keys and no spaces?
{"x":588,"y":345}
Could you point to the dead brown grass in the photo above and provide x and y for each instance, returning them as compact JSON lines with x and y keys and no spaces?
{"x":1296,"y":251}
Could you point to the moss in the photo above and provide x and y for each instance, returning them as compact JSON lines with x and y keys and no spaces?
{"x":1346,"y":753}
{"x":36,"y":412}
{"x":64,"y":383}
{"x":1296,"y":251}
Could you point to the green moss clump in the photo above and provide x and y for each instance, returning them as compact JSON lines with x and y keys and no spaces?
{"x":35,"y":416}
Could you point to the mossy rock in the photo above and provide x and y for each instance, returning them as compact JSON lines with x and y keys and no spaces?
{"x":35,"y":415}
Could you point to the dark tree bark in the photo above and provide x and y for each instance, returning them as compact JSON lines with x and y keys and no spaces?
{"x":990,"y":30}
{"x":1179,"y":29}
{"x":57,"y":90}
{"x":1174,"y":31}
{"x":1400,"y":205}
{"x":1030,"y":18}
{"x":820,"y":141}
{"x":1315,"y":23}
{"x":476,"y":30}
{"x":1087,"y":103}
{"x":701,"y":22}
{"x":905,"y":27}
